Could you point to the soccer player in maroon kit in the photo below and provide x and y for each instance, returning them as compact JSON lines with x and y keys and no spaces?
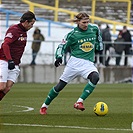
{"x":12,"y":50}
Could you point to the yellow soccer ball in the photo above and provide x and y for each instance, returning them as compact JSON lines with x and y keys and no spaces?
{"x":100,"y":109}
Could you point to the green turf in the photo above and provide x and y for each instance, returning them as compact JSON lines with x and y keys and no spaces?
{"x":62,"y":117}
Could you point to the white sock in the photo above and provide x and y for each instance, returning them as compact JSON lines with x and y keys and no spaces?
{"x":80,"y":100}
{"x":44,"y":105}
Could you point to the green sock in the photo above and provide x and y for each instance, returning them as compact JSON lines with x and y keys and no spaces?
{"x":87,"y":90}
{"x":51,"y":95}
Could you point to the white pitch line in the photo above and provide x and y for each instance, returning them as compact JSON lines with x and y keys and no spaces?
{"x":70,"y":127}
{"x":26,"y":110}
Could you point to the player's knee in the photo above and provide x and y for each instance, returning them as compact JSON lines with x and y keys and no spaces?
{"x":2,"y":86}
{"x":94,"y":77}
{"x":60,"y":86}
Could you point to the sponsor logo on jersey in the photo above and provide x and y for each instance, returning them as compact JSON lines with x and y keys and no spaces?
{"x":10,"y":35}
{"x":87,"y":46}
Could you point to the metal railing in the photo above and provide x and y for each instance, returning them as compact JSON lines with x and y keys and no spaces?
{"x":10,"y":12}
{"x":46,"y":54}
{"x":93,"y":18}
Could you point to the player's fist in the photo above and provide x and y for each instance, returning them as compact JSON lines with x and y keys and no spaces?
{"x":11,"y":64}
{"x":58,"y":62}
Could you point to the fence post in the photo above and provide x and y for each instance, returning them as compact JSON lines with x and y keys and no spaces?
{"x":128,"y":12}
{"x":7,"y":19}
{"x":56,"y":11}
{"x":93,"y":10}
{"x":49,"y":29}
{"x":31,"y":8}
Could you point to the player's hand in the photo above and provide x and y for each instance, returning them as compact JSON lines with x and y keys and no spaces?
{"x":11,"y":64}
{"x":58,"y":62}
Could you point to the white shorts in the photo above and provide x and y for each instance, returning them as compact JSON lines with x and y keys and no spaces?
{"x":77,"y":67}
{"x":6,"y":74}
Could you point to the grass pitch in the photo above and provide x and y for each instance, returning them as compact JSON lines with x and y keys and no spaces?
{"x":19,"y":110}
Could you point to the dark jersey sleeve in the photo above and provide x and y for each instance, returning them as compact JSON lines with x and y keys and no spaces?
{"x":9,"y":39}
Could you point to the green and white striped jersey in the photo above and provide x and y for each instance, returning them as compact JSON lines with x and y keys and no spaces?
{"x":82,"y":43}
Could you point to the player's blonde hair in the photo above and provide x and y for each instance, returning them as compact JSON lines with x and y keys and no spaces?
{"x":80,"y":16}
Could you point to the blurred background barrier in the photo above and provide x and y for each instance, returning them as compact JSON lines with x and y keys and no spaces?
{"x":51,"y":74}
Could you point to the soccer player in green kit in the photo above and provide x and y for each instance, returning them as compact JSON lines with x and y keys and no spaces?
{"x":82,"y":40}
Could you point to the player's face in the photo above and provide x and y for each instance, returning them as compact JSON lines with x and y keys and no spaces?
{"x":29,"y":25}
{"x":83,"y":24}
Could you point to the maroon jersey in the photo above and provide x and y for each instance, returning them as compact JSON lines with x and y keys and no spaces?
{"x":14,"y":43}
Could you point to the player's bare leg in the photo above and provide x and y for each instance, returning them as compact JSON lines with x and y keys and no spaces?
{"x":5,"y":88}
